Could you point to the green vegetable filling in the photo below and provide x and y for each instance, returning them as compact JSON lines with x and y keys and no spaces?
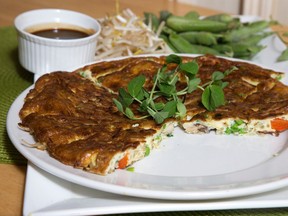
{"x":83,"y":74}
{"x":170,"y":135}
{"x":130,"y":169}
{"x":147,"y":151}
{"x":238,"y":127}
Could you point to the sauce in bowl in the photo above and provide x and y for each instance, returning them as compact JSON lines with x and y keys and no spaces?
{"x":60,"y":31}
{"x":60,"y":34}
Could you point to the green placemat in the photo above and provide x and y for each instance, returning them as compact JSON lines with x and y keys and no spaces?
{"x":14,"y":79}
{"x":241,"y":212}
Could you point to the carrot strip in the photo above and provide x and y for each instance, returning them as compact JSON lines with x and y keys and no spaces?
{"x":123,"y":162}
{"x":279,"y":124}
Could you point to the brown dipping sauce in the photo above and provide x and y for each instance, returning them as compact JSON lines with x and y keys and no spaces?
{"x":60,"y":34}
{"x":60,"y":31}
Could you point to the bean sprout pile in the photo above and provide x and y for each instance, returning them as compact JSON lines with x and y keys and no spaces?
{"x":126,"y":35}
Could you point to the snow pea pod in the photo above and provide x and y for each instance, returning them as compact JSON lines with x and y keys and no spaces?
{"x":245,"y":50}
{"x":167,"y":41}
{"x":245,"y":31}
{"x":222,"y":17}
{"x":202,"y":38}
{"x":182,"y":24}
{"x":168,"y":31}
{"x":246,"y":47}
{"x":151,"y":19}
{"x":183,"y":46}
{"x":192,"y":15}
{"x":225,"y":49}
{"x":232,"y":22}
{"x":255,"y":39}
{"x":164,"y":14}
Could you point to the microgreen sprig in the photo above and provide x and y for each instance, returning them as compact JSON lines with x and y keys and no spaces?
{"x":164,"y":100}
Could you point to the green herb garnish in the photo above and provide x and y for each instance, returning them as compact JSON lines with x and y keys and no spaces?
{"x":165,"y":100}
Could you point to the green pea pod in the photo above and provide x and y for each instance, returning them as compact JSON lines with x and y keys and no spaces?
{"x":183,"y":24}
{"x":245,"y":31}
{"x":234,"y":24}
{"x":164,"y":14}
{"x":153,"y":19}
{"x":205,"y":50}
{"x":168,"y":30}
{"x":183,"y":46}
{"x":245,"y":50}
{"x":224,"y":49}
{"x":255,"y":39}
{"x":166,"y":39}
{"x":192,"y":15}
{"x":222,"y":17}
{"x":202,"y":38}
{"x":283,"y":56}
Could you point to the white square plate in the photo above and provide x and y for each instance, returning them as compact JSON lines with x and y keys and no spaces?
{"x":46,"y":195}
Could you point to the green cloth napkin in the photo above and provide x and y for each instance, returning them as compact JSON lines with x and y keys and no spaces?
{"x":14,"y":79}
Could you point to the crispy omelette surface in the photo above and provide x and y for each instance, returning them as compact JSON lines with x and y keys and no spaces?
{"x":72,"y":115}
{"x":254,"y":95}
{"x":76,"y":121}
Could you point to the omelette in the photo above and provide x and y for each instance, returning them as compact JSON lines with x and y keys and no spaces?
{"x":73,"y":117}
